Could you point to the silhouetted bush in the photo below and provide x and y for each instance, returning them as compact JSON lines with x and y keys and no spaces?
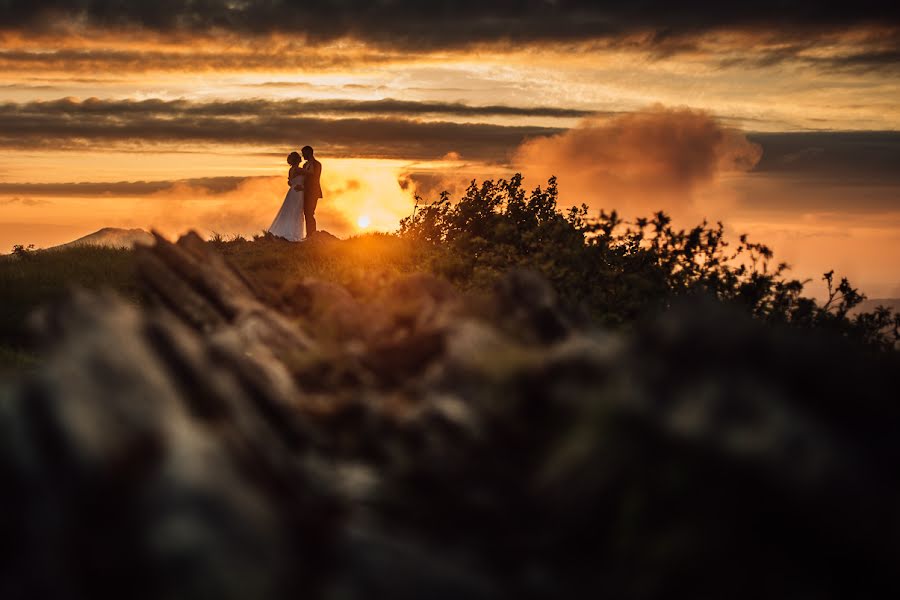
{"x":618,"y":270}
{"x":22,"y":251}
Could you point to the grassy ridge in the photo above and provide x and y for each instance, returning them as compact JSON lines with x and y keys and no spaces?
{"x":34,"y":279}
{"x":362,"y":264}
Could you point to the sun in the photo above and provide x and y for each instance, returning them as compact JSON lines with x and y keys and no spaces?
{"x":363,"y":221}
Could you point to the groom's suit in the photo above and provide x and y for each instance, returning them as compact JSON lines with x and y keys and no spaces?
{"x":312,"y":192}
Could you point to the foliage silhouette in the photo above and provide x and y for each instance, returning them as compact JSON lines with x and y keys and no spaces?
{"x":22,"y":251}
{"x":618,"y":270}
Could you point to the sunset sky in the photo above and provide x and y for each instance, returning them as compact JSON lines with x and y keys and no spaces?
{"x":781,"y":119}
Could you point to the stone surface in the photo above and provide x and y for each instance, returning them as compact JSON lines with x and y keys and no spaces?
{"x":427,"y":445}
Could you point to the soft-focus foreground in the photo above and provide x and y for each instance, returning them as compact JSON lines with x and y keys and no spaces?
{"x":500,"y":402}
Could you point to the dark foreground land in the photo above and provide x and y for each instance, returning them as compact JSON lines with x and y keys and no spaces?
{"x":390,"y":417}
{"x":38,"y":279}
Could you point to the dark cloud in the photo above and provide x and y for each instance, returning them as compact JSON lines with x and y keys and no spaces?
{"x":23,"y":201}
{"x":829,"y":172}
{"x":102,"y":124}
{"x":869,"y":60}
{"x":879,"y":56}
{"x":417,"y":23}
{"x":208,"y":185}
{"x":30,"y":87}
{"x":833,"y":156}
{"x":392,"y":29}
{"x":401,"y":107}
{"x":275,"y":108}
{"x":197,"y":57}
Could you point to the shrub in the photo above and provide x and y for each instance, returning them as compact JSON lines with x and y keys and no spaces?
{"x":617,"y":271}
{"x":22,"y":251}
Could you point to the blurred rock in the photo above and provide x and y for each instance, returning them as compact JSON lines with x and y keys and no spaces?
{"x":421,"y":444}
{"x":330,"y":311}
{"x":151,"y":462}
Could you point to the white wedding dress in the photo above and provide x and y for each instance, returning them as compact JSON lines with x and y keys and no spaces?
{"x":289,"y":222}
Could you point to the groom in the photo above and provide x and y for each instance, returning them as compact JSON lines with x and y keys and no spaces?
{"x":312,"y":187}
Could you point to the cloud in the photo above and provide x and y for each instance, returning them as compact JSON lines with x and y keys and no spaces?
{"x":206,"y":185}
{"x":413,"y":23}
{"x":671,"y":160}
{"x":108,"y":124}
{"x":661,"y":158}
{"x":639,"y":162}
{"x":204,"y":55}
{"x":871,"y":157}
{"x":829,"y":53}
{"x":289,"y":36}
{"x":428,"y":185}
{"x":22,"y":201}
{"x":280,"y":108}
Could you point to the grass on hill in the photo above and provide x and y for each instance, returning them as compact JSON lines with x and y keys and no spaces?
{"x":363,"y":264}
{"x":32,"y":279}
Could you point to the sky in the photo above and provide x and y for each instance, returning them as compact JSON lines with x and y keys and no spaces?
{"x":779,"y":118}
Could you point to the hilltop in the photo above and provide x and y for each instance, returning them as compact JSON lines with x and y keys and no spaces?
{"x":111,"y":237}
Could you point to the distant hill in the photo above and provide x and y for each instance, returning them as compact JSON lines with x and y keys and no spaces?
{"x":111,"y":237}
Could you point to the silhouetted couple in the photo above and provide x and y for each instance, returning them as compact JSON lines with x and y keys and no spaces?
{"x":302,"y":197}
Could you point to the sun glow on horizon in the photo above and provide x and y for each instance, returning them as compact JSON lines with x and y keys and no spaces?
{"x":114,"y":124}
{"x":359,"y":194}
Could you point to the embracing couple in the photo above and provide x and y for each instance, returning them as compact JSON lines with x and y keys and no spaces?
{"x":301,"y":199}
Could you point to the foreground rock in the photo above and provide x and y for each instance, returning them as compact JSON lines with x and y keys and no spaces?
{"x":426,"y":445}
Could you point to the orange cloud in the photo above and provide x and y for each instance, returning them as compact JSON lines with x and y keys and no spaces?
{"x":639,"y":162}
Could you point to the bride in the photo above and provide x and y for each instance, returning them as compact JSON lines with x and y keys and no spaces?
{"x":288,"y":223}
